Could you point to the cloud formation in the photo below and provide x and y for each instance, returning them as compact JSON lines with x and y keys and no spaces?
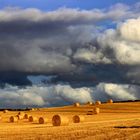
{"x":36,"y":41}
{"x":96,"y":50}
{"x":54,"y":95}
{"x":123,"y":42}
{"x":13,"y":96}
{"x":117,"y":92}
{"x":68,"y":15}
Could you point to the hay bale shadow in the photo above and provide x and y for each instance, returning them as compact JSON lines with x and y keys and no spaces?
{"x":124,"y":127}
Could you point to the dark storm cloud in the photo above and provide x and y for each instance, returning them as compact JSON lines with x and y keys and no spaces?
{"x":35,"y":41}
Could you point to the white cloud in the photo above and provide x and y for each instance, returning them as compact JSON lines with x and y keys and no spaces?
{"x":55,"y":95}
{"x":123,"y":43}
{"x":105,"y":91}
{"x":91,"y":56}
{"x":116,"y":12}
{"x":13,"y":96}
{"x":130,"y":30}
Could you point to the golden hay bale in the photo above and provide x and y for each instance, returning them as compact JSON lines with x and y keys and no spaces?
{"x":26,"y":116}
{"x":98,"y":102}
{"x":13,"y":119}
{"x":32,"y":119}
{"x":78,"y":118}
{"x":33,"y":109}
{"x":21,"y":113}
{"x":89,"y":103}
{"x":5,"y":111}
{"x":42,"y":120}
{"x":20,"y":117}
{"x":96,"y":110}
{"x":60,"y":120}
{"x":77,"y":104}
{"x":110,"y":101}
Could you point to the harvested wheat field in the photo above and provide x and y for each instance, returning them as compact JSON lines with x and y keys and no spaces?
{"x":115,"y":121}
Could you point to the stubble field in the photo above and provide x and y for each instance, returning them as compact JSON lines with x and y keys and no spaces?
{"x":117,"y":121}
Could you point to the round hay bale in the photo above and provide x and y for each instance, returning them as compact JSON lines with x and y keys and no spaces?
{"x":96,"y":110}
{"x":26,"y":116}
{"x":20,"y":117}
{"x":5,"y":111}
{"x":77,"y":104}
{"x":98,"y":102}
{"x":32,"y":109}
{"x":32,"y":119}
{"x":89,"y":103}
{"x":21,"y":113}
{"x":78,"y":118}
{"x":42,"y":120}
{"x":13,"y":119}
{"x":60,"y":120}
{"x":110,"y":101}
